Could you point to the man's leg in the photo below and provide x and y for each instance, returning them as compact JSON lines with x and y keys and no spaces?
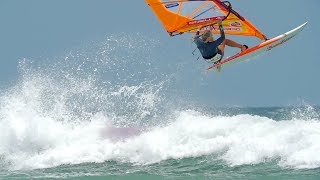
{"x":231,"y":43}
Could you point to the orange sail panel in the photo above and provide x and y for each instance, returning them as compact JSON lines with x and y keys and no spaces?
{"x":186,"y":16}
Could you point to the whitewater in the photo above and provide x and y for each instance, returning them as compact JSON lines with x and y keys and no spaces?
{"x":86,"y":115}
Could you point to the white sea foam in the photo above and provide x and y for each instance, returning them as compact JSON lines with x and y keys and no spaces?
{"x":30,"y":140}
{"x":241,"y":139}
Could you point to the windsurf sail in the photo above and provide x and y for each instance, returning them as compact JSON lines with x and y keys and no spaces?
{"x":187,"y":16}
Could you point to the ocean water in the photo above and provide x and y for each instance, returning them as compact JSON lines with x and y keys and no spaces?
{"x":86,"y":115}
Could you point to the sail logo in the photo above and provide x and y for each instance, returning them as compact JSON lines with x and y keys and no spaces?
{"x":171,"y":5}
{"x":235,"y":24}
{"x":205,"y":20}
{"x":226,"y":29}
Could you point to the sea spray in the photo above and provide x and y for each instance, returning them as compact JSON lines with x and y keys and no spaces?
{"x":56,"y":112}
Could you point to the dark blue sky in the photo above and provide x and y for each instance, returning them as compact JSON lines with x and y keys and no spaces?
{"x":287,"y":75}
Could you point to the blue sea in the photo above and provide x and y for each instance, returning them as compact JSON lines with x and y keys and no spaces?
{"x":110,"y":110}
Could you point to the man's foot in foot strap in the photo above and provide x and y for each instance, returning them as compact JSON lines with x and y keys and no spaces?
{"x":244,"y":47}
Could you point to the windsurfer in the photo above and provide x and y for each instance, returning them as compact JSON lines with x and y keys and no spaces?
{"x":213,"y":50}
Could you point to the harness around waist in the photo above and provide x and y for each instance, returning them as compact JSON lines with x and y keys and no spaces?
{"x":210,"y":57}
{"x":214,"y":58}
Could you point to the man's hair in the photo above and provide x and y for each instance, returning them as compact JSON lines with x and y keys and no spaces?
{"x":206,"y":35}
